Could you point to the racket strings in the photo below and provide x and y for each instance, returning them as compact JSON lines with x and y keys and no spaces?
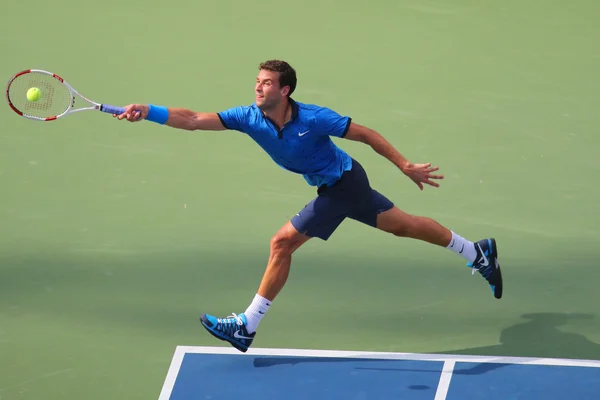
{"x":45,"y":101}
{"x":55,"y":97}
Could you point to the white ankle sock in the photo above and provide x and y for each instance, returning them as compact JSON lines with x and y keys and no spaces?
{"x":255,"y":311}
{"x":462,"y":247}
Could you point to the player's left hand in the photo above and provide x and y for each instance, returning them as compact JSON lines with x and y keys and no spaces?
{"x":422,"y":174}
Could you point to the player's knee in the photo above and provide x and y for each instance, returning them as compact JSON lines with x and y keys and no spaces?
{"x":404,"y":227}
{"x":400,"y":231}
{"x":282,"y":245}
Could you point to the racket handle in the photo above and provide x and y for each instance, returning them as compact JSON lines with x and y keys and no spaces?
{"x":111,"y":109}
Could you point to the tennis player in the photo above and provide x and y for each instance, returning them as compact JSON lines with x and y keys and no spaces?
{"x":297,"y":136}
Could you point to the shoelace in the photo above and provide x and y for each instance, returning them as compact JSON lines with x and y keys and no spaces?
{"x":229,"y":324}
{"x":485,"y":271}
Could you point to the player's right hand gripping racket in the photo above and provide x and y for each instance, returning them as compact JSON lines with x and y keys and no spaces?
{"x":56,"y":97}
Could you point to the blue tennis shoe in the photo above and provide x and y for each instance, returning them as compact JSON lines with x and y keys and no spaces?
{"x":231,"y":329}
{"x":487,"y":265}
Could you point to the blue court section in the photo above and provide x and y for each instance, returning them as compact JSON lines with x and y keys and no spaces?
{"x":509,"y":381}
{"x":267,"y":377}
{"x":229,"y":376}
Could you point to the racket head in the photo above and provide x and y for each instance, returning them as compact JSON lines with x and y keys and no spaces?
{"x":56,"y":97}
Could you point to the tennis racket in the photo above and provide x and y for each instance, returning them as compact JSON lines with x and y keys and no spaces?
{"x":57,"y":97}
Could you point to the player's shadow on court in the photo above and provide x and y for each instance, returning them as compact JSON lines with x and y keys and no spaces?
{"x":542,"y":336}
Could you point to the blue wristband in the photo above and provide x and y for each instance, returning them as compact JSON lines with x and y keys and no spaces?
{"x":158,"y":114}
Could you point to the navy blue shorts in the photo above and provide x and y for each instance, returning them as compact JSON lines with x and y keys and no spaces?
{"x":350,"y":197}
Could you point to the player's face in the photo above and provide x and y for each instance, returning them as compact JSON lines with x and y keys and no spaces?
{"x":267,"y":90}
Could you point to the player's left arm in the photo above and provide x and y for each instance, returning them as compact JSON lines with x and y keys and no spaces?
{"x":333,"y":124}
{"x":381,"y":145}
{"x":418,"y":173}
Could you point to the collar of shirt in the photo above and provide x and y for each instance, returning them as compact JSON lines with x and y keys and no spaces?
{"x":294,"y":106}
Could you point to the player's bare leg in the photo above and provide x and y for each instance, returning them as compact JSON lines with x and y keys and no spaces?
{"x":285,"y":242}
{"x":239,"y":330}
{"x":481,"y":256}
{"x":399,"y":223}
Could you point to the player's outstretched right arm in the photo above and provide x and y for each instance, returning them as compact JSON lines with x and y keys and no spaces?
{"x":180,"y":118}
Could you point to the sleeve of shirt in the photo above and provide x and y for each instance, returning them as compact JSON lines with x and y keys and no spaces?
{"x":331,"y":123}
{"x":235,"y":119}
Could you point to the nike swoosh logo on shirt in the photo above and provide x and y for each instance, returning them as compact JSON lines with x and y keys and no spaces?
{"x":303,"y":133}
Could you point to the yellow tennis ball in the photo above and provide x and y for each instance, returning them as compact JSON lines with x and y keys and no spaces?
{"x":33,"y":94}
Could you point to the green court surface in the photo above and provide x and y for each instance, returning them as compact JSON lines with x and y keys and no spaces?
{"x":114,"y":237}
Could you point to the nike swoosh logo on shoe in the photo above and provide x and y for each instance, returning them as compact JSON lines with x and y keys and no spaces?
{"x":485,"y":261}
{"x":237,"y":335}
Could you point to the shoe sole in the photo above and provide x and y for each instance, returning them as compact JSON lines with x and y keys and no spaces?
{"x":499,"y":286}
{"x":220,"y":337}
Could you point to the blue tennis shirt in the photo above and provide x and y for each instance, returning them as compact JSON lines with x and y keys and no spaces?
{"x":303,"y":145}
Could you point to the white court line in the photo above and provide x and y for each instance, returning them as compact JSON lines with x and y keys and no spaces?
{"x":165,"y":393}
{"x":449,"y":360}
{"x":444,"y":385}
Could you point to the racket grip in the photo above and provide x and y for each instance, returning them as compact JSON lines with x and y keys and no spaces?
{"x":111,"y":109}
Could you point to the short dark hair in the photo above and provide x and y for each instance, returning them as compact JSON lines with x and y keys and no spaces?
{"x":287,"y":74}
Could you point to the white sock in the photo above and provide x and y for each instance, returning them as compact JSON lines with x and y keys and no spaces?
{"x":255,"y":311}
{"x":462,"y":247}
